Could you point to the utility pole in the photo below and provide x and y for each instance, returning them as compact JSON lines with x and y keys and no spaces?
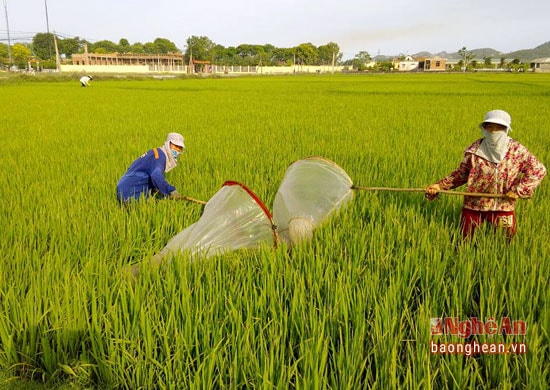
{"x":48,"y":27}
{"x":8,"y":28}
{"x":57,"y":58}
{"x":191,"y":68}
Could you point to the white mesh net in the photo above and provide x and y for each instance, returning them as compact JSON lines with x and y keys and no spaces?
{"x":234,"y":218}
{"x":312,"y":189}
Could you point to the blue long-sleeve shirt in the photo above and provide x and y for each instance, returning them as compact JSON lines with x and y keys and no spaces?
{"x":146,"y":174}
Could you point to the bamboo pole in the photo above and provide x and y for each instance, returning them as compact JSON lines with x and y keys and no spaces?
{"x":475,"y":194}
{"x":187,"y":198}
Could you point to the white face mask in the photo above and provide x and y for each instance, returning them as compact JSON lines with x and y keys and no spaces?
{"x":171,"y":156}
{"x":494,"y":146}
{"x":494,"y":138}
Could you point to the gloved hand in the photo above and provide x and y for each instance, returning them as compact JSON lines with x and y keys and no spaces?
{"x":512,"y":195}
{"x":432,"y":191}
{"x":175,"y":195}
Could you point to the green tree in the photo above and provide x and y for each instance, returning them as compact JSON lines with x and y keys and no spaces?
{"x":21,"y":55}
{"x":282,"y":56}
{"x":267,"y":54}
{"x":199,"y":48}
{"x":124,"y":45}
{"x":150,"y":48}
{"x":360,"y":60}
{"x":164,"y":46}
{"x":466,"y":57}
{"x":85,"y":45}
{"x":488,"y":62}
{"x":328,"y":53}
{"x":386,"y":66}
{"x":251,"y":54}
{"x":69,"y":46}
{"x":136,"y":48}
{"x":103,"y":47}
{"x":4,"y":54}
{"x":43,"y":46}
{"x":306,"y":54}
{"x":225,"y":56}
{"x":517,"y":66}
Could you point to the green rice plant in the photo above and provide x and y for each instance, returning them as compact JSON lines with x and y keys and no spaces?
{"x":350,"y":309}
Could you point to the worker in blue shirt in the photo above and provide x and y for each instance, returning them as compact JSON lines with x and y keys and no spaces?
{"x":145,"y":177}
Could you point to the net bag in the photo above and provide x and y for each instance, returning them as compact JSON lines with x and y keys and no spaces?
{"x":234,"y":218}
{"x":312,"y":189}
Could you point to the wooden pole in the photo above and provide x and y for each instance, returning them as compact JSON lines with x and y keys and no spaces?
{"x":187,"y":198}
{"x":475,"y":194}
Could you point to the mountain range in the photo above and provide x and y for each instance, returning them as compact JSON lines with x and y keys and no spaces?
{"x":524,"y":55}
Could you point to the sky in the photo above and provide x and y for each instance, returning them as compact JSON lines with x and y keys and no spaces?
{"x":378,"y":27}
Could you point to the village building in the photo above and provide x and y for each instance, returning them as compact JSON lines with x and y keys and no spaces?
{"x":174,"y":63}
{"x":432,"y":64}
{"x":155,"y":62}
{"x":540,"y":65}
{"x":420,"y":64}
{"x":406,"y":64}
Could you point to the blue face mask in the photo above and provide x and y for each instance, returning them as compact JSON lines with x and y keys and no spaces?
{"x":175,"y":154}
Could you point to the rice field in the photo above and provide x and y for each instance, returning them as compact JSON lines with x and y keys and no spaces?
{"x":350,"y":309}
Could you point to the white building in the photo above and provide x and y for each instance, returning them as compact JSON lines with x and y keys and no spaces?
{"x":540,"y":65}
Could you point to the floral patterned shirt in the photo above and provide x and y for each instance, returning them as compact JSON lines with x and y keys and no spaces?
{"x":519,"y":172}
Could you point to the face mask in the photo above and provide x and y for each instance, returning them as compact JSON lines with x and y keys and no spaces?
{"x":175,"y":154}
{"x":494,"y":146}
{"x":495,"y":138}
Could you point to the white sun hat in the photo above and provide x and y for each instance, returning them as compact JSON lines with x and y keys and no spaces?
{"x":176,"y":139}
{"x":498,"y":116}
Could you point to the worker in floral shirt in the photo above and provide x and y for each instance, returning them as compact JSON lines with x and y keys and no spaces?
{"x":494,"y":164}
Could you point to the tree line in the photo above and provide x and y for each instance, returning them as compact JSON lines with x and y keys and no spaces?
{"x":202,"y":48}
{"x":40,"y":52}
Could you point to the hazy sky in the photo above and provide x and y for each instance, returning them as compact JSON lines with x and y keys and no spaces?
{"x":386,"y":27}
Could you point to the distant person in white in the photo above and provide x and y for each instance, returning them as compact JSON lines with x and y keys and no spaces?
{"x":84,"y":80}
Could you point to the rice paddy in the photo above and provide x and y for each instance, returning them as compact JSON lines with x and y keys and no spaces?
{"x":350,"y":309}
